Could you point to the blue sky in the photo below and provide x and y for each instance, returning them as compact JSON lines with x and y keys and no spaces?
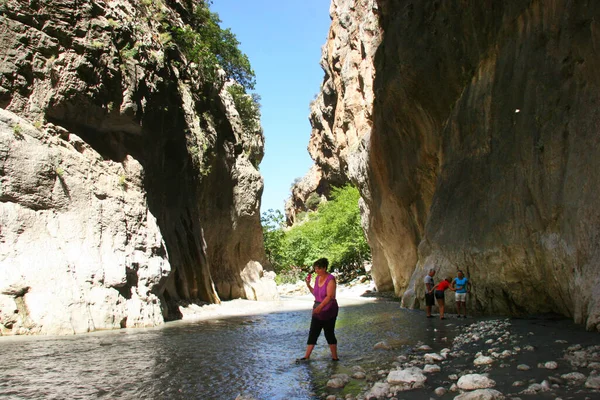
{"x":283,"y":40}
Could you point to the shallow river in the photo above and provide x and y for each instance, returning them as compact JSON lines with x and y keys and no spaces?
{"x":215,"y":359}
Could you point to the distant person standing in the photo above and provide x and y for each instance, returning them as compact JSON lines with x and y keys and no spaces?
{"x":429,"y":298}
{"x":461,"y":286}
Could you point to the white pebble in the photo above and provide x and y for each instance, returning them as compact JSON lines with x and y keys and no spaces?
{"x":551,"y":365}
{"x":430,"y":368}
{"x":440,"y":391}
{"x":483,"y":360}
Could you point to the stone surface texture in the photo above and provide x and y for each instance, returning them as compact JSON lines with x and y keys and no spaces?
{"x":128,"y":183}
{"x":471,"y":131}
{"x":341,"y":114}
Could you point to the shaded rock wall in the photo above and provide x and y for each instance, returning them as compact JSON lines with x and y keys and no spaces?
{"x":483,"y":153}
{"x":129,"y":185}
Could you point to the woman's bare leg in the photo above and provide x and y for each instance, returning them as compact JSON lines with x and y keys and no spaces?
{"x":333,"y":348}
{"x":309,"y":349}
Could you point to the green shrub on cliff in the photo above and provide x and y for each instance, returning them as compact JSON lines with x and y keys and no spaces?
{"x":247,"y":106}
{"x":313,"y":201}
{"x":206,"y":44}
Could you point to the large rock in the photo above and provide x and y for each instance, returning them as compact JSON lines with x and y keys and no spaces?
{"x":406,"y":379}
{"x":473,"y":147}
{"x":481,"y":394}
{"x":129,"y":182}
{"x":475,"y":381}
{"x":380,"y":390}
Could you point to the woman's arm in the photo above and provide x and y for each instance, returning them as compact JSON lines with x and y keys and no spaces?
{"x":307,"y":280}
{"x":330,"y":296}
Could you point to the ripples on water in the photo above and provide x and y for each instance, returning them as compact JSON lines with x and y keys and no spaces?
{"x":216,"y":359}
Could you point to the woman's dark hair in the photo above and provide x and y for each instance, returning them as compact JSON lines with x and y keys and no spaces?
{"x":322,"y":263}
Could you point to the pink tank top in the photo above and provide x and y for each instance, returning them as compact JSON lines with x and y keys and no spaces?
{"x":320,"y":292}
{"x":330,"y":311}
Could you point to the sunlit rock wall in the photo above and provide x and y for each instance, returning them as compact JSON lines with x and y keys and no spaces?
{"x":483,"y":152}
{"x":341,"y":114}
{"x":128,"y":184}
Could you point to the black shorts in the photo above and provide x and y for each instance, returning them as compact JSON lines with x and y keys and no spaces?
{"x":429,"y":300}
{"x":439,"y":294}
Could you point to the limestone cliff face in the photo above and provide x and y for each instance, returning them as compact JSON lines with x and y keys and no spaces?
{"x":483,"y":152}
{"x":341,"y":115}
{"x":128,"y":183}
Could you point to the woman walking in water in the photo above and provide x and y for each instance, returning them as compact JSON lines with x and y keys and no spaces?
{"x":325,"y":309}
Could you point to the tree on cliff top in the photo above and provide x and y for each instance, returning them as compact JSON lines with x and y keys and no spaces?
{"x":205,"y":43}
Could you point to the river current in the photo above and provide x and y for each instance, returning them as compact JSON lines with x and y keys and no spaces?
{"x":220,"y":358}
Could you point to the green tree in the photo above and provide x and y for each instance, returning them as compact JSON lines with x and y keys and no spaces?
{"x":206,"y":44}
{"x":301,"y":245}
{"x":341,"y":234}
{"x":333,"y":231}
{"x":272,"y":222}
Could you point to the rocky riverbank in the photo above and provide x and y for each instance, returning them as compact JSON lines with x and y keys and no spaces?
{"x":490,"y":358}
{"x":495,"y":359}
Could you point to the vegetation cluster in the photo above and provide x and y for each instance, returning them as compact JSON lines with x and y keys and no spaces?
{"x":333,"y":230}
{"x":211,"y":48}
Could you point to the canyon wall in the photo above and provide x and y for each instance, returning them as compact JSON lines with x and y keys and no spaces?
{"x":478,"y":150}
{"x":340,"y":115}
{"x":129,"y":183}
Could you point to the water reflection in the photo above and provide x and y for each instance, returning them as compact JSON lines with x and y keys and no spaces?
{"x":216,"y":359}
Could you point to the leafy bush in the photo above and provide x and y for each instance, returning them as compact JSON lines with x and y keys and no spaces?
{"x":333,"y":231}
{"x":206,"y":44}
{"x":313,"y":201}
{"x":291,"y":275}
{"x":247,"y":106}
{"x":18,"y":131}
{"x":272,"y":223}
{"x":301,"y":216}
{"x":129,"y":52}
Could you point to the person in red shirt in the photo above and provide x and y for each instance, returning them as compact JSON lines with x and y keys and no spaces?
{"x":439,"y":292}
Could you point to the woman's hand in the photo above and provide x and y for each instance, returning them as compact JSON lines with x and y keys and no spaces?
{"x":317,"y":309}
{"x":308,"y":278}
